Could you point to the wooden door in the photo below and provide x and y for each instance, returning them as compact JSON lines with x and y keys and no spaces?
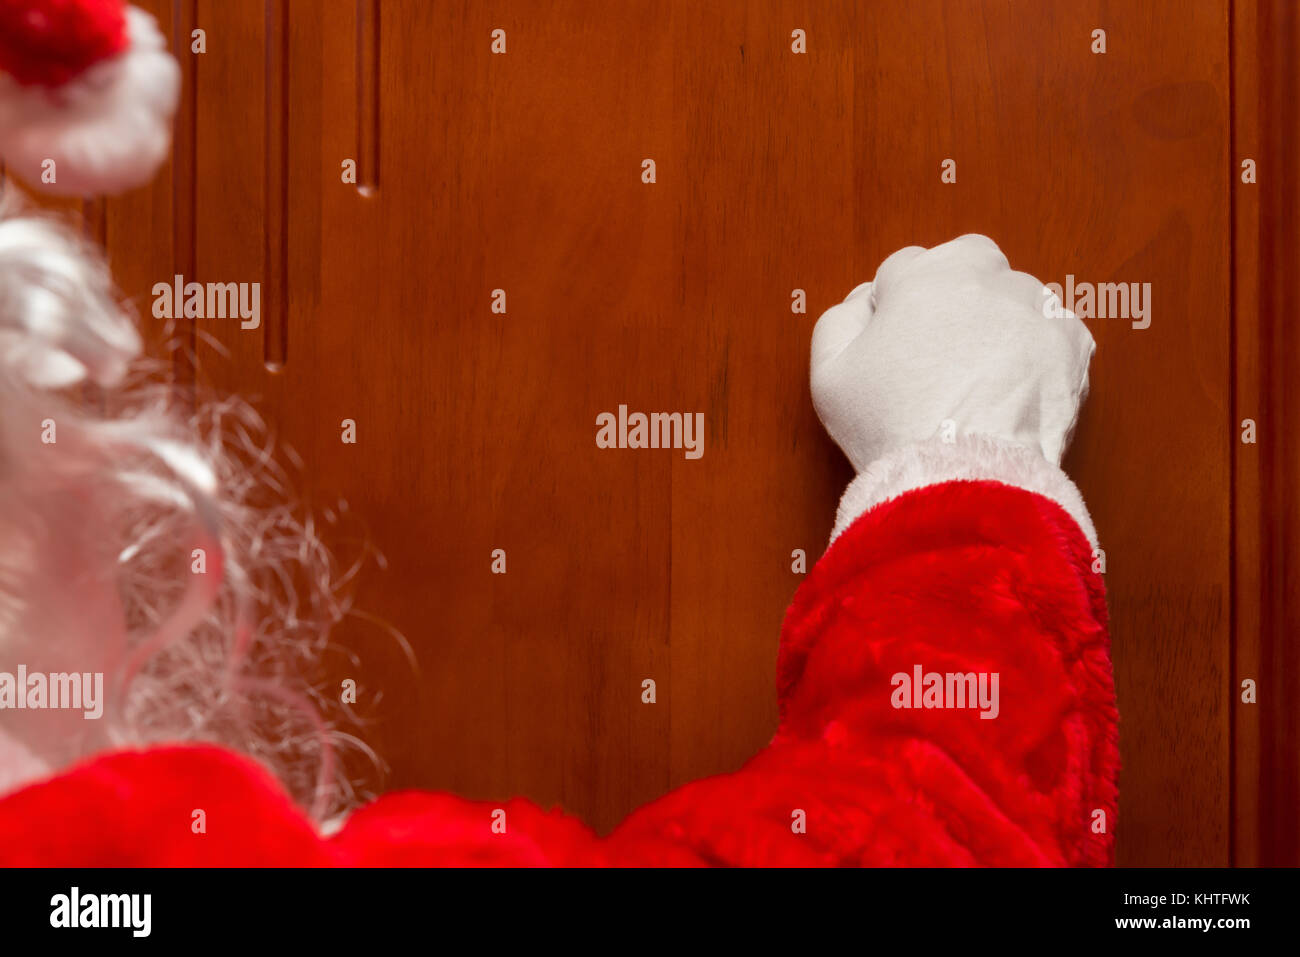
{"x":774,"y":171}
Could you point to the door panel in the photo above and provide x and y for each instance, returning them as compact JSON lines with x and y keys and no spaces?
{"x":775,"y":171}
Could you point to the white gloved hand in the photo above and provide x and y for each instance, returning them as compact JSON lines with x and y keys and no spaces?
{"x":949,"y":339}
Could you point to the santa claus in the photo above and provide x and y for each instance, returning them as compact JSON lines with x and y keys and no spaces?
{"x":944,"y":678}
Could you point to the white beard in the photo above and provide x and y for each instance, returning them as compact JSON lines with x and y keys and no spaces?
{"x":129,"y":545}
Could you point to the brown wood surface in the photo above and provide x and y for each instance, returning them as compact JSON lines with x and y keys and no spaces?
{"x":775,"y":171}
{"x":1266,"y":474}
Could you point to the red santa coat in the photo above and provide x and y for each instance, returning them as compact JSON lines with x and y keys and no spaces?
{"x":957,"y":578}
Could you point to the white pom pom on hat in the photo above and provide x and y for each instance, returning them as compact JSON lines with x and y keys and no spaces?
{"x":87,"y":94}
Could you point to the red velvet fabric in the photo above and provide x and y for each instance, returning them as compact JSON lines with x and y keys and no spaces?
{"x":49,"y":42}
{"x":959,"y":577}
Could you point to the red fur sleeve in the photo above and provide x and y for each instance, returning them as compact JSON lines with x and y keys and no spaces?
{"x":958,"y":578}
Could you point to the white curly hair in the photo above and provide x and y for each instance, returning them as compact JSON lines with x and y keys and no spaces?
{"x":149,"y":542}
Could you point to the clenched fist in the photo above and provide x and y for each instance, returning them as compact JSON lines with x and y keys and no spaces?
{"x":948,"y":342}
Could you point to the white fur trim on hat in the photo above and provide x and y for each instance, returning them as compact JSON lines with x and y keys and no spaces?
{"x":106,"y":131}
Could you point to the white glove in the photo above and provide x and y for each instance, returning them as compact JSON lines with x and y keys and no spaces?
{"x":949,"y":365}
{"x":951,"y":338}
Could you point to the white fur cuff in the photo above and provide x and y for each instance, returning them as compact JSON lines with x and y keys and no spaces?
{"x":970,"y":458}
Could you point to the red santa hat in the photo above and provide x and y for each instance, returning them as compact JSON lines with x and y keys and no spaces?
{"x":87,"y":93}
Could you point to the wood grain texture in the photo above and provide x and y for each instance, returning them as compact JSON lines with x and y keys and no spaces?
{"x":775,"y":171}
{"x":1266,"y":43}
{"x":1247,"y":514}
